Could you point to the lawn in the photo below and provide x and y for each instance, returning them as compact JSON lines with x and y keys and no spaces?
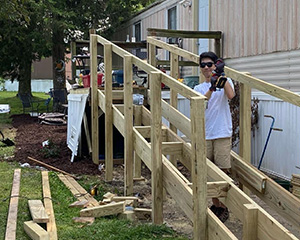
{"x":31,"y":188}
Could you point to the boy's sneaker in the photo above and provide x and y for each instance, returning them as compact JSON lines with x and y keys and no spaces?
{"x":223,"y":214}
{"x":214,"y":209}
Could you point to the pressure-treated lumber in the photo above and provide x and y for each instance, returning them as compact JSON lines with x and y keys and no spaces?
{"x":156,"y":153}
{"x":128,"y":117}
{"x":250,"y":222}
{"x":174,"y":72}
{"x":199,"y":168}
{"x":51,"y":225}
{"x":94,"y":97}
{"x":247,"y":172}
{"x":51,"y":167}
{"x":77,"y":190}
{"x":108,"y":113}
{"x":184,"y":33}
{"x":145,"y":131}
{"x":37,"y":211}
{"x":104,"y":210}
{"x":35,"y":231}
{"x":79,"y":204}
{"x":263,"y":86}
{"x":172,"y":148}
{"x":11,"y":225}
{"x":245,"y":125}
{"x":137,"y":160}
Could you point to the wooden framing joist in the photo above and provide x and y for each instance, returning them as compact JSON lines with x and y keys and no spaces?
{"x":248,"y":173}
{"x":11,"y":225}
{"x":78,"y":191}
{"x":278,"y":198}
{"x":35,"y":231}
{"x":264,"y":86}
{"x":184,"y":33}
{"x":103,"y":210}
{"x":178,"y":187}
{"x":216,"y":189}
{"x":145,"y":131}
{"x":37,"y":211}
{"x":51,"y":225}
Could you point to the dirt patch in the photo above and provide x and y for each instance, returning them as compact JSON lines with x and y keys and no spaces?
{"x":29,"y":135}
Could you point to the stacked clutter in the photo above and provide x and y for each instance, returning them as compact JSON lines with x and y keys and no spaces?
{"x":295,"y":182}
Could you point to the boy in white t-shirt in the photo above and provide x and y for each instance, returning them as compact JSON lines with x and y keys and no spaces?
{"x":218,"y":124}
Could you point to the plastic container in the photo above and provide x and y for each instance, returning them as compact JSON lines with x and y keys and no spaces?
{"x":191,"y":81}
{"x":118,"y":76}
{"x":87,"y":80}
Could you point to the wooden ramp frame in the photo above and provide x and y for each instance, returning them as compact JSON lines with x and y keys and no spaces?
{"x":191,"y":197}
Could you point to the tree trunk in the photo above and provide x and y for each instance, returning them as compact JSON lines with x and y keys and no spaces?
{"x":59,"y":76}
{"x":58,"y":56}
{"x":25,"y":78}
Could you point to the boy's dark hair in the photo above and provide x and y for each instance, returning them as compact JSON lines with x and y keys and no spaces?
{"x":210,"y":55}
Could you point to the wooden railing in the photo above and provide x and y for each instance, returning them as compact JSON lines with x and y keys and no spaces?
{"x":191,"y":197}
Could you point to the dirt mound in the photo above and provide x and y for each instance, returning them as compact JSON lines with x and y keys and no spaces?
{"x":29,"y":138}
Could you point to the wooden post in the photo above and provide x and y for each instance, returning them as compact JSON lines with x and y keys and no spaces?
{"x":108,"y":112}
{"x":173,"y":95}
{"x":156,"y":153}
{"x":218,"y":47}
{"x":195,"y":24}
{"x":137,"y":159}
{"x":245,"y":125}
{"x":73,"y":64}
{"x":250,"y":212}
{"x":151,"y":58}
{"x":199,"y":168}
{"x":94,"y":99}
{"x":128,"y":115}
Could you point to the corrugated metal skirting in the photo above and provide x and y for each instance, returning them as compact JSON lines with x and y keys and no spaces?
{"x":282,"y":154}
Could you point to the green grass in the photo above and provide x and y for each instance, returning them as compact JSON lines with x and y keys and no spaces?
{"x":106,"y":228}
{"x":16,"y":104}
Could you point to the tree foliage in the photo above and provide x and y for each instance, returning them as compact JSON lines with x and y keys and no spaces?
{"x":32,"y":29}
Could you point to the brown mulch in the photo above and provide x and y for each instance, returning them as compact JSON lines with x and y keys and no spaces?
{"x":29,"y":137}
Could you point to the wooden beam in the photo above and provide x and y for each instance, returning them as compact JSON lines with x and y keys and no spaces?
{"x":263,"y":86}
{"x":118,"y":120}
{"x":137,"y":160}
{"x":128,"y":122}
{"x":51,"y":225}
{"x":103,"y":210}
{"x":183,"y":33}
{"x":180,"y":63}
{"x":11,"y":225}
{"x":173,"y":94}
{"x":174,"y":49}
{"x":35,"y":231}
{"x":51,"y":167}
{"x":108,"y":113}
{"x":94,"y":99}
{"x":250,"y":222}
{"x":248,"y":173}
{"x":172,"y":148}
{"x":176,"y":118}
{"x":156,"y":152}
{"x":199,"y":168}
{"x":145,"y":131}
{"x":37,"y":211}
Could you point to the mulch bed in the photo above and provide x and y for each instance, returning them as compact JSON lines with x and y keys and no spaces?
{"x":29,"y":138}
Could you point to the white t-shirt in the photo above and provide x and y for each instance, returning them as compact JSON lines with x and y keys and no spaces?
{"x":218,"y":123}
